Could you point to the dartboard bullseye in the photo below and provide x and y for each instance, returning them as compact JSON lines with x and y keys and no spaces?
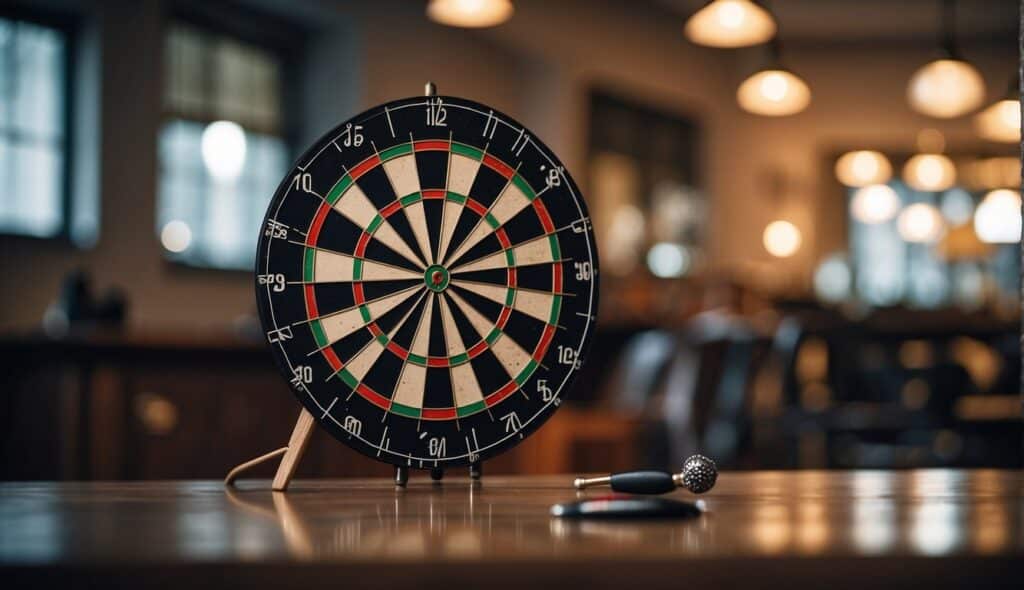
{"x":427,"y":280}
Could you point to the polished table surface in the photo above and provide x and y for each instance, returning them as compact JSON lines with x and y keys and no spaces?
{"x":923,"y":528}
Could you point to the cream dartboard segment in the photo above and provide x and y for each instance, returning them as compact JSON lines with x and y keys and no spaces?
{"x":427,"y":282}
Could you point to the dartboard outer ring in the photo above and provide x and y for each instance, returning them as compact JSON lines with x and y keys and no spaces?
{"x":408,"y":439}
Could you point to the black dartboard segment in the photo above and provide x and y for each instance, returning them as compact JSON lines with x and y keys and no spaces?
{"x":426,"y":277}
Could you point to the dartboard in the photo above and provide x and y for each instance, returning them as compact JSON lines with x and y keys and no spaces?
{"x":426,"y":279}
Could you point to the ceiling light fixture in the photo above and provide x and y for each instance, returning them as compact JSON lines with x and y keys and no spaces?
{"x":773,"y":91}
{"x":920,"y":223}
{"x":863,"y":168}
{"x":929,"y":170}
{"x":948,"y":86}
{"x":876,"y":203}
{"x":471,"y":14}
{"x":1000,"y":122}
{"x":730,"y":23}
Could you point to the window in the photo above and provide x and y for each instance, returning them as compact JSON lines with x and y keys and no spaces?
{"x":892,"y":266}
{"x":891,"y":269}
{"x":221,"y":147}
{"x":643,"y":177}
{"x":33,"y":153}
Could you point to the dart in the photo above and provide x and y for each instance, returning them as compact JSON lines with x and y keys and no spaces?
{"x":698,"y":476}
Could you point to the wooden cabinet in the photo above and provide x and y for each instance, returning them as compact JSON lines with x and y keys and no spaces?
{"x":162,"y":407}
{"x":144,"y":407}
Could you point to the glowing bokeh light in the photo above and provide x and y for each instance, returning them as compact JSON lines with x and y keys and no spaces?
{"x":176,"y":236}
{"x":1000,"y":122}
{"x":730,"y":23}
{"x":773,"y":93}
{"x":863,"y":168}
{"x":833,"y":279}
{"x":781,"y":238}
{"x":473,"y":14}
{"x":957,"y":206}
{"x":877,"y":203}
{"x":946,"y":88}
{"x":920,"y":223}
{"x":998,"y":218}
{"x":667,"y":261}
{"x":929,"y":172}
{"x":223,"y":149}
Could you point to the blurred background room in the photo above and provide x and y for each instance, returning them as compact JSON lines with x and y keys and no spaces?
{"x":807,"y":213}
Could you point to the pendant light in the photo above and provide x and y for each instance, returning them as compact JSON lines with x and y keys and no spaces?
{"x":730,"y":23}
{"x":920,"y":223}
{"x":876,"y":203}
{"x":948,"y":86}
{"x":1000,"y":122}
{"x":930,"y":170}
{"x":863,"y":168}
{"x":773,"y":91}
{"x":471,"y":14}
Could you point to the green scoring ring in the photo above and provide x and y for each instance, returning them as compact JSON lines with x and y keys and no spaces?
{"x":436,"y":278}
{"x":309,"y":265}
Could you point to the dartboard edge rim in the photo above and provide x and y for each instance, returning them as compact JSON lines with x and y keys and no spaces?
{"x":308,"y":400}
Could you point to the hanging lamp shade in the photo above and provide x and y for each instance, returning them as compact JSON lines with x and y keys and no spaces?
{"x":730,"y":23}
{"x":863,"y":168}
{"x":472,"y":14}
{"x":946,"y":87}
{"x":876,"y":203}
{"x":773,"y":90}
{"x":920,"y":223}
{"x":773,"y":93}
{"x":929,"y":172}
{"x":1000,"y":122}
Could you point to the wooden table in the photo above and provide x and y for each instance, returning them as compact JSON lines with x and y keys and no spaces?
{"x":825,"y":529}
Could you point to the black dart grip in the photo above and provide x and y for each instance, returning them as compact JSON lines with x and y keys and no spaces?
{"x":643,"y":482}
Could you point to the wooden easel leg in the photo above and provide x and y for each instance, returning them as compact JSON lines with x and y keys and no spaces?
{"x":296,"y":446}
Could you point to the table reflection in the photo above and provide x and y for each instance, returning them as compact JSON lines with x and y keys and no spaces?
{"x":925,"y":513}
{"x":814,"y":514}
